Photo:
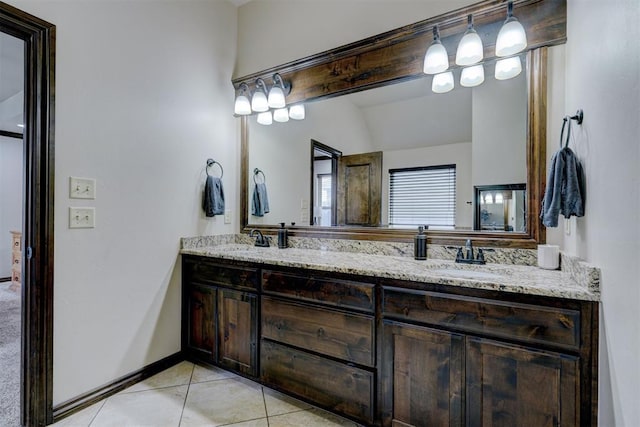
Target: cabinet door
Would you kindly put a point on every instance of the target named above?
(508, 385)
(201, 321)
(422, 376)
(237, 330)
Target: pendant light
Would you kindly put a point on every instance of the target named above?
(265, 118)
(472, 76)
(512, 37)
(281, 115)
(436, 59)
(470, 50)
(278, 92)
(259, 101)
(508, 68)
(296, 112)
(442, 82)
(242, 105)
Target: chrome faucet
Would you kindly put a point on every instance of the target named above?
(261, 240)
(469, 249)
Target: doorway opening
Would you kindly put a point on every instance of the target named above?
(36, 253)
(324, 173)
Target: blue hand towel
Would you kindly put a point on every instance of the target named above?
(259, 201)
(565, 192)
(213, 197)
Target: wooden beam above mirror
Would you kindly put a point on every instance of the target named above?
(397, 56)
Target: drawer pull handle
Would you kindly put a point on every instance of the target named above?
(405, 310)
(321, 332)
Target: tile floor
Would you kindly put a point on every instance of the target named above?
(192, 395)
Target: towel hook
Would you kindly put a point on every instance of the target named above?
(579, 116)
(256, 171)
(211, 162)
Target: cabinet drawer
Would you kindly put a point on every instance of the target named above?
(332, 385)
(343, 335)
(525, 322)
(202, 270)
(340, 293)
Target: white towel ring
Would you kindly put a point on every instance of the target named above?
(211, 162)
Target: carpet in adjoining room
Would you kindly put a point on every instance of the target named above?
(10, 308)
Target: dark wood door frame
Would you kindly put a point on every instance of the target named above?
(37, 274)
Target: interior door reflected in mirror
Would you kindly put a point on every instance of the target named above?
(324, 171)
(501, 207)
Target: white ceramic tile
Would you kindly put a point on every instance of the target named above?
(311, 417)
(153, 408)
(210, 373)
(179, 374)
(278, 403)
(260, 422)
(222, 402)
(82, 418)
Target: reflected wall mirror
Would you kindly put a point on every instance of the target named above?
(512, 141)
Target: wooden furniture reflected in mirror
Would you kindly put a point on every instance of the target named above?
(500, 207)
(397, 56)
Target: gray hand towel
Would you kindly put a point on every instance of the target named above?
(565, 192)
(259, 201)
(213, 197)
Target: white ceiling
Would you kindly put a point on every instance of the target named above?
(11, 82)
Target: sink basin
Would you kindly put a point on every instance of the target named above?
(467, 274)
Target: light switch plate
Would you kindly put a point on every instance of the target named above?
(227, 216)
(82, 188)
(82, 217)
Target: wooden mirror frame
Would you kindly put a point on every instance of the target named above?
(397, 56)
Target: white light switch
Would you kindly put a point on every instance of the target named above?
(82, 217)
(82, 188)
(227, 216)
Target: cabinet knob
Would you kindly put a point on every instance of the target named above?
(320, 332)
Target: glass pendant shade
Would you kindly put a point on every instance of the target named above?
(296, 112)
(242, 106)
(276, 98)
(512, 38)
(470, 50)
(265, 118)
(472, 76)
(281, 115)
(508, 68)
(259, 101)
(436, 59)
(442, 83)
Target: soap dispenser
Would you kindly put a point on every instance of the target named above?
(282, 237)
(420, 244)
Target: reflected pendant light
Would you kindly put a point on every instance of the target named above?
(265, 118)
(259, 100)
(281, 115)
(442, 82)
(508, 68)
(436, 59)
(470, 50)
(242, 105)
(472, 76)
(512, 38)
(296, 112)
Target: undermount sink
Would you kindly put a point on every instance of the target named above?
(467, 274)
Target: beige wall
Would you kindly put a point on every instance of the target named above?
(143, 98)
(603, 78)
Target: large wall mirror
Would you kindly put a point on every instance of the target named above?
(490, 135)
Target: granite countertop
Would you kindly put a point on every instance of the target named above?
(572, 284)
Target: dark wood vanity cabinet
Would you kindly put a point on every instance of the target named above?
(318, 341)
(220, 314)
(484, 359)
(396, 353)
